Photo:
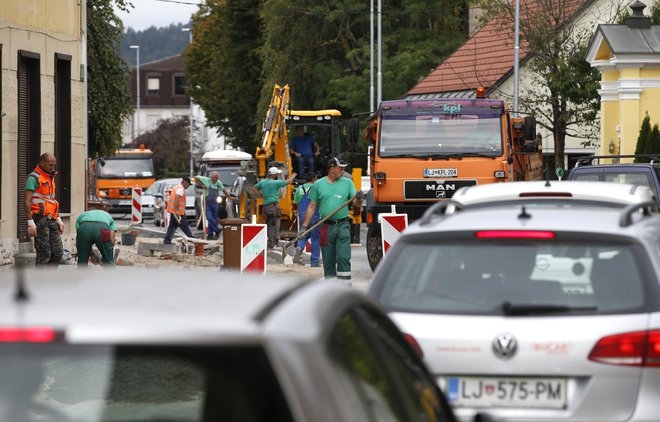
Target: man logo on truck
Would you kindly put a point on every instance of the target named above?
(441, 187)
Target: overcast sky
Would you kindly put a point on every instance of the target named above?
(146, 13)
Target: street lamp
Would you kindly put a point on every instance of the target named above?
(190, 135)
(137, 72)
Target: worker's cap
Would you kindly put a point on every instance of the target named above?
(274, 170)
(336, 162)
(185, 179)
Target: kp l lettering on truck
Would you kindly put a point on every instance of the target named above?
(423, 150)
(118, 174)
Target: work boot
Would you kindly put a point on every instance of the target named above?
(297, 256)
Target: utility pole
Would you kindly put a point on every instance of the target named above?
(191, 122)
(137, 90)
(516, 64)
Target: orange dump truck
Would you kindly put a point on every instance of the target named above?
(118, 174)
(422, 151)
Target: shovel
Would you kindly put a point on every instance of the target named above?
(309, 230)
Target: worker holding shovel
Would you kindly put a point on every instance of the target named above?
(332, 194)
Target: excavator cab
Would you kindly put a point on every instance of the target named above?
(324, 126)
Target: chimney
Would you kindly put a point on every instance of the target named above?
(638, 20)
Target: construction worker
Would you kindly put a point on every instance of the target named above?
(95, 227)
(42, 209)
(301, 198)
(330, 194)
(305, 150)
(270, 190)
(212, 187)
(176, 207)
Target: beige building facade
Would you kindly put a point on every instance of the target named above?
(43, 107)
(628, 57)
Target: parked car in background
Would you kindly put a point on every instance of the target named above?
(161, 195)
(148, 199)
(141, 345)
(534, 313)
(603, 169)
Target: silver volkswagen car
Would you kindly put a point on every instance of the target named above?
(534, 313)
(149, 345)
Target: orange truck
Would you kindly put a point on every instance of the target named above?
(422, 151)
(118, 174)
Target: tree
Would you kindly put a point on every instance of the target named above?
(653, 141)
(170, 144)
(108, 97)
(224, 69)
(643, 138)
(563, 91)
(241, 48)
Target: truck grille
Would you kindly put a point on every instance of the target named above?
(433, 189)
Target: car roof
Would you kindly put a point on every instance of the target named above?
(134, 303)
(586, 220)
(605, 192)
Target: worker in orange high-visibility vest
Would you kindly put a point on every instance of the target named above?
(176, 207)
(42, 209)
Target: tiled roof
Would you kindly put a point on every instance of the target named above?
(485, 58)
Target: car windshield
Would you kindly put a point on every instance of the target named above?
(125, 168)
(437, 134)
(153, 189)
(511, 278)
(227, 174)
(132, 383)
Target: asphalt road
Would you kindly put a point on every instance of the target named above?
(359, 264)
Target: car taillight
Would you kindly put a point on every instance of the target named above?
(413, 343)
(514, 234)
(639, 348)
(27, 335)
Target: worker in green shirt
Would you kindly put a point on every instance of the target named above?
(212, 187)
(95, 227)
(329, 193)
(270, 190)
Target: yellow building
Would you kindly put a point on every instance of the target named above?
(43, 109)
(628, 57)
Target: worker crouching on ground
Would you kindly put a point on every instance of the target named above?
(176, 207)
(332, 193)
(95, 227)
(270, 190)
(212, 187)
(302, 199)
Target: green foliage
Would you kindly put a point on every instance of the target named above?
(224, 68)
(643, 138)
(170, 144)
(653, 141)
(109, 100)
(155, 43)
(320, 49)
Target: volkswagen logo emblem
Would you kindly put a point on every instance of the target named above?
(505, 346)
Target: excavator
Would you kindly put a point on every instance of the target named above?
(325, 126)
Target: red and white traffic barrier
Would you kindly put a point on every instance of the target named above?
(391, 226)
(253, 248)
(136, 208)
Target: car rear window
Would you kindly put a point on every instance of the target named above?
(514, 278)
(128, 383)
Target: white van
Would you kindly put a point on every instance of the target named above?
(226, 163)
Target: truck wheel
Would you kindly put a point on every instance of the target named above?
(374, 245)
